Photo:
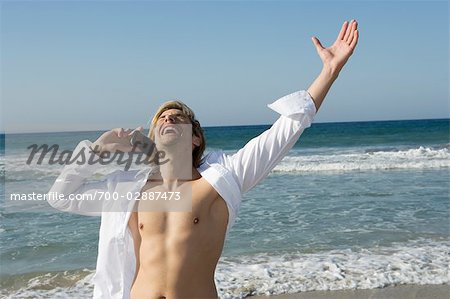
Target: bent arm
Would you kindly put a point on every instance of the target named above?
(72, 182)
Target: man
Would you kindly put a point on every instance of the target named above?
(148, 254)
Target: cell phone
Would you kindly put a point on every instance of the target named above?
(142, 142)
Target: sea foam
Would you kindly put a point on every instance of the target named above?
(416, 262)
(418, 158)
(413, 263)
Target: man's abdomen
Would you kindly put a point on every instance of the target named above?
(179, 252)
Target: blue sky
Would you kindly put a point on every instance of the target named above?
(82, 65)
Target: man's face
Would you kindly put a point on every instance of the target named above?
(173, 124)
(172, 127)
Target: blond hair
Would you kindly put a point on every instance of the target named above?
(197, 130)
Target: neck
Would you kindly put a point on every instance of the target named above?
(176, 165)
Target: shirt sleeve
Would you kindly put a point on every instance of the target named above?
(260, 155)
(72, 182)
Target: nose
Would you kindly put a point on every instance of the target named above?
(169, 118)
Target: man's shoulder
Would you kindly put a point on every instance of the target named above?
(214, 157)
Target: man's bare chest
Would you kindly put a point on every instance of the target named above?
(193, 207)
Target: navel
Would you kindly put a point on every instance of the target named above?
(141, 226)
(196, 220)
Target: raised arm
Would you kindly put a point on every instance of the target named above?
(260, 155)
(333, 59)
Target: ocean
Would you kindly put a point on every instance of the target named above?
(355, 205)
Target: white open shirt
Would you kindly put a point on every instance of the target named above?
(230, 175)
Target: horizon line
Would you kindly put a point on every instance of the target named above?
(222, 126)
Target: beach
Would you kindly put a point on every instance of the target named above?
(397, 292)
(352, 206)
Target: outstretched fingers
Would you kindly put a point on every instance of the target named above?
(354, 40)
(348, 32)
(342, 32)
(352, 32)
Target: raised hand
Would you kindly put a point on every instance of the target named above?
(115, 140)
(335, 57)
